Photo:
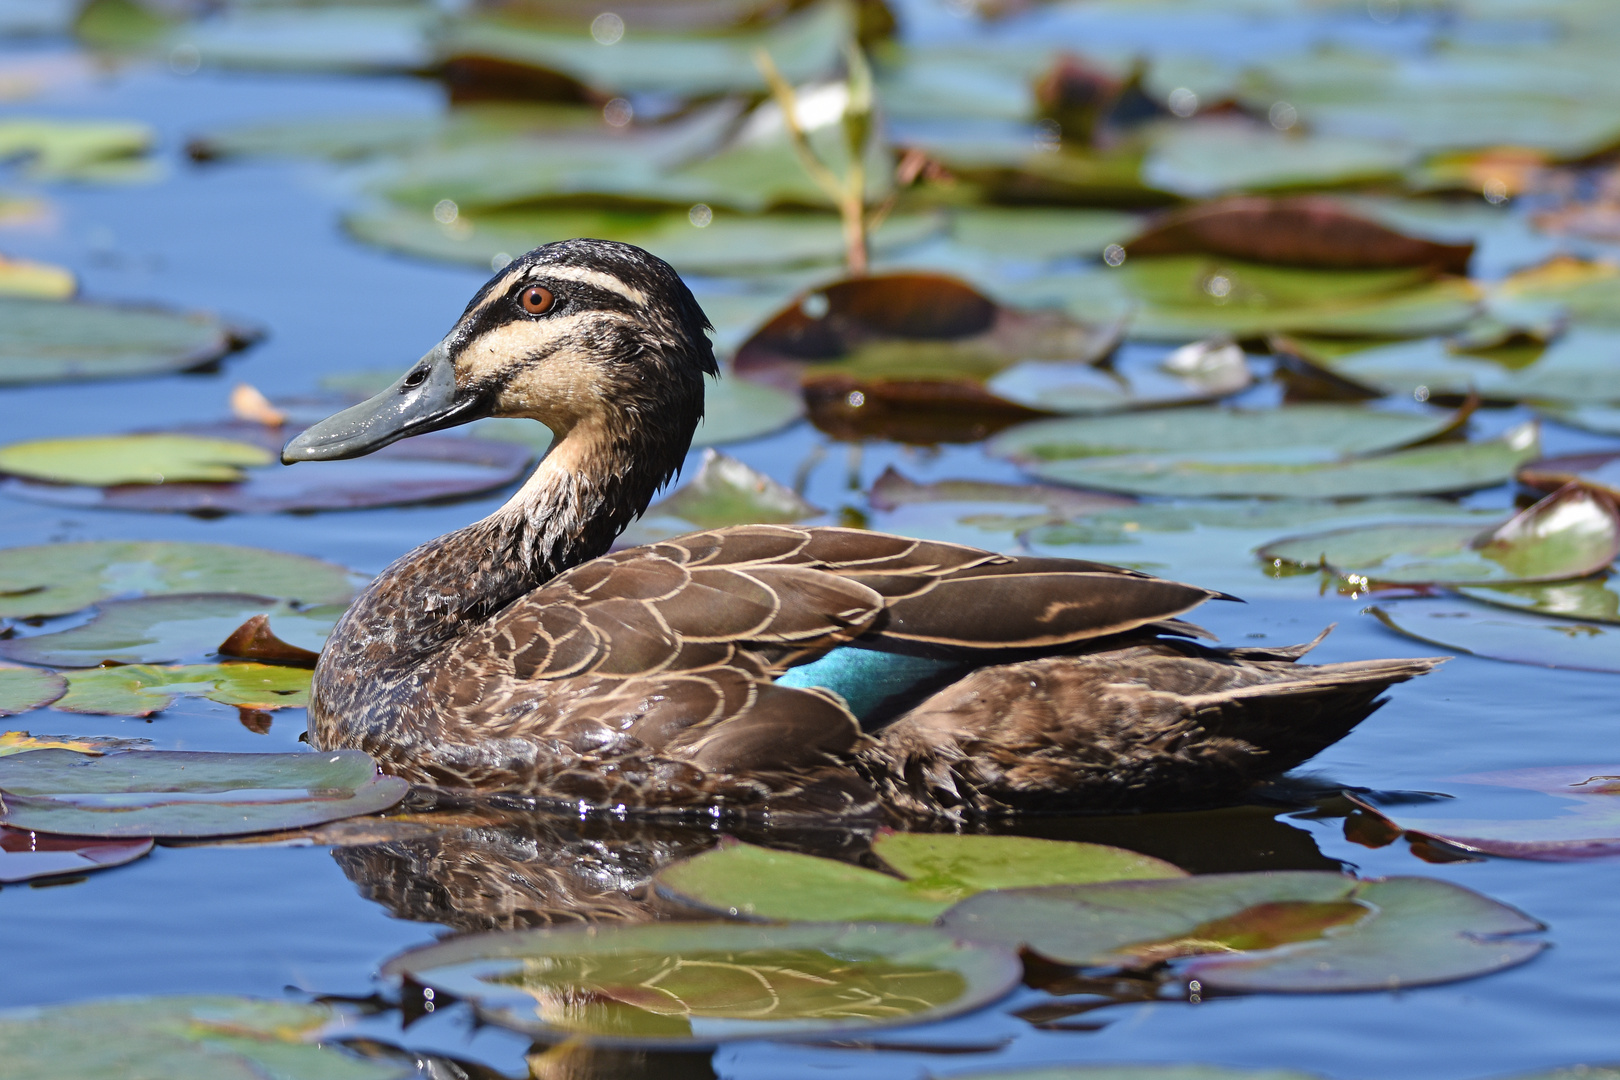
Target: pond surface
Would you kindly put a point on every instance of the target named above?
(259, 241)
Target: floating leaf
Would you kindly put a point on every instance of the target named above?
(17, 742)
(1500, 634)
(1201, 371)
(357, 38)
(1144, 1072)
(180, 1038)
(26, 855)
(1039, 232)
(42, 281)
(1571, 533)
(22, 689)
(54, 579)
(727, 492)
(1281, 931)
(698, 983)
(1306, 430)
(76, 149)
(893, 490)
(67, 341)
(180, 793)
(729, 244)
(425, 468)
(104, 460)
(143, 690)
(1438, 469)
(1587, 599)
(1209, 158)
(1553, 813)
(763, 883)
(1586, 291)
(1577, 368)
(164, 629)
(1306, 230)
(1600, 470)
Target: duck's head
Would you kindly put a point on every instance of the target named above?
(589, 337)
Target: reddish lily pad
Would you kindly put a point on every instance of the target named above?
(685, 984)
(178, 793)
(742, 880)
(1308, 230)
(1283, 931)
(1497, 633)
(1600, 470)
(426, 468)
(1571, 533)
(23, 689)
(166, 629)
(27, 855)
(1552, 813)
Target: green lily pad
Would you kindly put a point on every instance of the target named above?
(104, 460)
(681, 984)
(41, 281)
(1213, 157)
(20, 742)
(1551, 813)
(347, 38)
(1297, 931)
(1142, 1072)
(1589, 599)
(804, 46)
(1569, 534)
(1181, 297)
(1041, 233)
(25, 856)
(181, 793)
(23, 689)
(75, 149)
(71, 340)
(1602, 419)
(1576, 369)
(727, 492)
(1586, 291)
(1199, 372)
(165, 629)
(180, 1038)
(729, 244)
(1308, 430)
(1426, 470)
(1498, 633)
(762, 883)
(144, 689)
(54, 579)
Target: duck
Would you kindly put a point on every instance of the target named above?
(767, 672)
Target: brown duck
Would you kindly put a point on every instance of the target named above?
(759, 668)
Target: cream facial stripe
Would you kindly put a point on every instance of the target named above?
(493, 351)
(587, 276)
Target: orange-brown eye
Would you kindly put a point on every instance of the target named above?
(536, 299)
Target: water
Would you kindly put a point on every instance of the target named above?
(260, 241)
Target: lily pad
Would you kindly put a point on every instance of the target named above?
(1304, 429)
(1552, 813)
(1498, 633)
(727, 492)
(1599, 470)
(42, 281)
(1426, 470)
(104, 460)
(763, 883)
(181, 793)
(1213, 157)
(165, 629)
(75, 149)
(1569, 534)
(1588, 599)
(1309, 230)
(1576, 369)
(23, 689)
(145, 689)
(18, 742)
(347, 38)
(1586, 291)
(27, 855)
(181, 1038)
(425, 468)
(1283, 931)
(682, 984)
(1142, 1072)
(1199, 372)
(54, 579)
(71, 340)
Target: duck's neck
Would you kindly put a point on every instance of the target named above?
(585, 491)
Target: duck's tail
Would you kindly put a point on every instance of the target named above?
(1163, 725)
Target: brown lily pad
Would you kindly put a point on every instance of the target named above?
(27, 855)
(1600, 471)
(1306, 230)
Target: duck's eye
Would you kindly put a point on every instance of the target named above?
(536, 299)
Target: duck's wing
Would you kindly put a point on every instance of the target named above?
(1157, 726)
(662, 658)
